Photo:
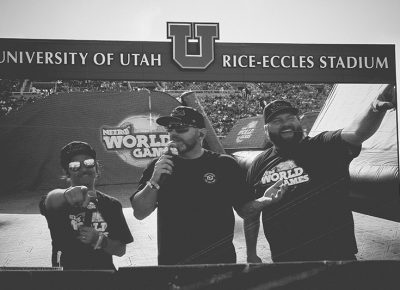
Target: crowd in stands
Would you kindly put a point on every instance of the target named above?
(223, 110)
(7, 102)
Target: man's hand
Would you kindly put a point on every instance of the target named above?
(386, 100)
(77, 196)
(276, 191)
(163, 165)
(88, 235)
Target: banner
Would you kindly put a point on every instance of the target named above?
(237, 62)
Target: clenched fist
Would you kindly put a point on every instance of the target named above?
(77, 196)
(386, 100)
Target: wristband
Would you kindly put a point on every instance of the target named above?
(153, 185)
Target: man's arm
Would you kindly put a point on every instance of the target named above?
(144, 201)
(251, 229)
(114, 247)
(251, 211)
(76, 195)
(368, 122)
(113, 243)
(273, 194)
(89, 235)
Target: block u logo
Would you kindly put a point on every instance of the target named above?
(180, 33)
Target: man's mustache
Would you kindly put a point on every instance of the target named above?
(176, 139)
(294, 129)
(86, 173)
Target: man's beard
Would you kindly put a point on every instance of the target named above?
(184, 147)
(286, 144)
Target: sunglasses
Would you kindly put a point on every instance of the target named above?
(76, 165)
(178, 128)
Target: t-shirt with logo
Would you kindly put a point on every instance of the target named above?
(104, 214)
(195, 216)
(313, 221)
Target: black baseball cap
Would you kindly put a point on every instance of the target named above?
(278, 106)
(183, 115)
(75, 148)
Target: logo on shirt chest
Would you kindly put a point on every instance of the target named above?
(97, 222)
(209, 178)
(288, 171)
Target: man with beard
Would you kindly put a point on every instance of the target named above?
(195, 216)
(312, 221)
(87, 226)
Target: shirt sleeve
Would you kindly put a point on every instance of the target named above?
(253, 180)
(337, 146)
(42, 206)
(120, 230)
(239, 191)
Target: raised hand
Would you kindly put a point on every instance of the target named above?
(77, 196)
(276, 191)
(164, 165)
(385, 100)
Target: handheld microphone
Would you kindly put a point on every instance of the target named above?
(90, 209)
(170, 150)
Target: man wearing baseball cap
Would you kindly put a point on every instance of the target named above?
(312, 221)
(195, 191)
(87, 227)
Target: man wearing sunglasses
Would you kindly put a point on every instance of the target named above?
(87, 226)
(195, 202)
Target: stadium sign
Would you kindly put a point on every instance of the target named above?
(206, 33)
(193, 54)
(136, 140)
(246, 132)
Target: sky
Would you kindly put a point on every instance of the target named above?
(251, 21)
(284, 21)
(243, 21)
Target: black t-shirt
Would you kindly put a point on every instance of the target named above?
(313, 221)
(107, 217)
(195, 215)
